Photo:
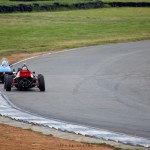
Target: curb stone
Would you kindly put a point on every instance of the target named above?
(64, 135)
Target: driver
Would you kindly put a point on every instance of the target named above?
(24, 67)
(4, 62)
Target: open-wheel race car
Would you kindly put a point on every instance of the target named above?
(4, 69)
(24, 79)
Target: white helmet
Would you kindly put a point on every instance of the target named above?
(24, 68)
(4, 62)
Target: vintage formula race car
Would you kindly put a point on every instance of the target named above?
(4, 69)
(24, 79)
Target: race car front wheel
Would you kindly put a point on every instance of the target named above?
(41, 82)
(8, 83)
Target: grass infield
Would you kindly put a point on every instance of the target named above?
(126, 0)
(45, 2)
(44, 31)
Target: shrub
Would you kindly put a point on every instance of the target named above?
(128, 4)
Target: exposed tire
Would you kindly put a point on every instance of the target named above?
(5, 78)
(8, 83)
(2, 80)
(41, 82)
(19, 69)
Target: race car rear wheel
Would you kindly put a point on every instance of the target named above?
(19, 69)
(5, 78)
(8, 83)
(41, 82)
(2, 80)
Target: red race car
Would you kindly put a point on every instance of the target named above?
(24, 79)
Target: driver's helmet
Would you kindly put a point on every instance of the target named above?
(24, 67)
(4, 62)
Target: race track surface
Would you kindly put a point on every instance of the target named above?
(107, 87)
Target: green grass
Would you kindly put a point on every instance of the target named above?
(41, 2)
(44, 31)
(8, 2)
(126, 0)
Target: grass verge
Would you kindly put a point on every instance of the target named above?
(43, 2)
(46, 2)
(45, 31)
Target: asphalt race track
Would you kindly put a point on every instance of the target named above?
(107, 87)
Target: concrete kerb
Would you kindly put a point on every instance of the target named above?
(64, 135)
